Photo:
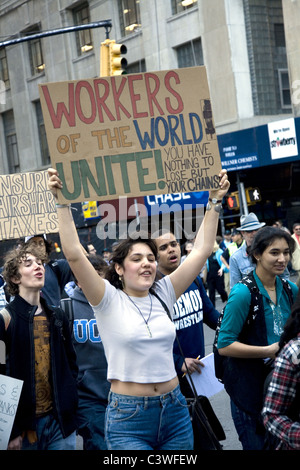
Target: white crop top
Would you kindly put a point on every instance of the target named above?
(132, 355)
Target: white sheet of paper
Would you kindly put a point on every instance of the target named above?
(206, 383)
(10, 391)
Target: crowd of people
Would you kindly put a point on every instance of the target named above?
(91, 338)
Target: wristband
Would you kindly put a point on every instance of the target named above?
(215, 200)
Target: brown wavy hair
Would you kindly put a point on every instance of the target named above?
(12, 262)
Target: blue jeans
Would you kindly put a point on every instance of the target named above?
(248, 429)
(90, 417)
(148, 423)
(49, 436)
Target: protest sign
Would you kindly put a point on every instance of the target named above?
(132, 135)
(10, 391)
(27, 207)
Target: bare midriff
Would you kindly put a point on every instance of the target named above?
(143, 390)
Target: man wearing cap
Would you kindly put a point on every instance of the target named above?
(226, 240)
(57, 272)
(106, 252)
(240, 264)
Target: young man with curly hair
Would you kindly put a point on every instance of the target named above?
(40, 353)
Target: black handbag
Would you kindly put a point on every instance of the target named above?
(208, 431)
(203, 427)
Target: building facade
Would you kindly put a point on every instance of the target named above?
(250, 49)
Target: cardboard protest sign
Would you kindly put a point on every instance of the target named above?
(132, 135)
(27, 207)
(10, 391)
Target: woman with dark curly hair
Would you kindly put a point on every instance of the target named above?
(281, 412)
(146, 407)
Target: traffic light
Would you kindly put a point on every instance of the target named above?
(117, 62)
(253, 195)
(111, 61)
(233, 201)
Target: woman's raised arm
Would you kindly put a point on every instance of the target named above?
(91, 283)
(186, 272)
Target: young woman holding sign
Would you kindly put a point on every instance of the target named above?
(146, 408)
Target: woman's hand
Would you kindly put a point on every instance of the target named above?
(54, 183)
(223, 186)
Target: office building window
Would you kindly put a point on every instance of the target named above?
(181, 5)
(84, 38)
(190, 54)
(279, 35)
(137, 67)
(4, 76)
(11, 142)
(130, 18)
(284, 88)
(35, 51)
(42, 134)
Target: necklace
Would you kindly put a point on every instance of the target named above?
(139, 310)
(269, 288)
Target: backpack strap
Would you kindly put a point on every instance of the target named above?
(255, 304)
(163, 304)
(67, 306)
(287, 287)
(256, 297)
(6, 317)
(178, 342)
